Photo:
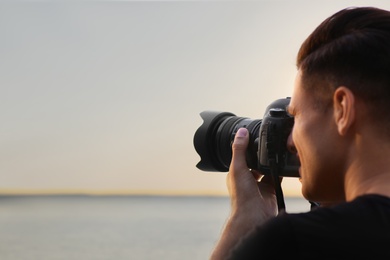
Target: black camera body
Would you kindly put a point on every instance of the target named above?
(267, 149)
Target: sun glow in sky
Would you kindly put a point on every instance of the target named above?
(105, 96)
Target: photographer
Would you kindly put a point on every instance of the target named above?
(341, 136)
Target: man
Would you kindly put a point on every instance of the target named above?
(341, 135)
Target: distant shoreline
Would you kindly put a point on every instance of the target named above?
(8, 195)
(108, 193)
(81, 192)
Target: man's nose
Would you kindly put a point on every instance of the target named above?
(290, 144)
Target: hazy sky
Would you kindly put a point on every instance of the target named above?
(105, 96)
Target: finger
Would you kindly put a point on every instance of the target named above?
(267, 185)
(239, 146)
(269, 180)
(257, 175)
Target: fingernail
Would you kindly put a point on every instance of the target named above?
(242, 132)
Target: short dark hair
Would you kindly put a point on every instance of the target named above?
(350, 48)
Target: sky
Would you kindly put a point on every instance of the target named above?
(105, 96)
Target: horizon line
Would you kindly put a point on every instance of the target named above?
(87, 192)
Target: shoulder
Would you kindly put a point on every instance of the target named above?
(302, 235)
(364, 208)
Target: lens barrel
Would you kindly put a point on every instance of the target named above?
(214, 138)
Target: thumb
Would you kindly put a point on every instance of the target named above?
(239, 146)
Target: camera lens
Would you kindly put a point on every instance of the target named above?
(214, 138)
(267, 148)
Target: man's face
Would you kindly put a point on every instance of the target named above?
(314, 138)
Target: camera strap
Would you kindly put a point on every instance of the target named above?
(278, 186)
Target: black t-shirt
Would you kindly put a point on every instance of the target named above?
(359, 229)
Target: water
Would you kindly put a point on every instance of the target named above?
(113, 227)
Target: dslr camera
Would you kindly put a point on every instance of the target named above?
(267, 149)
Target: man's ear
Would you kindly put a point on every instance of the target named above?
(344, 109)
